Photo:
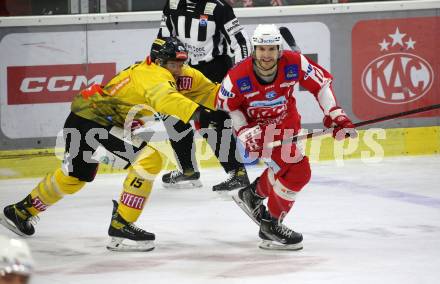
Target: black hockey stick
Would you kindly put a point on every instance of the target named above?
(296, 138)
(290, 40)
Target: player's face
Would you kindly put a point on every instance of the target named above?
(266, 55)
(175, 67)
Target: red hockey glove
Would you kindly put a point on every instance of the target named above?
(251, 137)
(343, 127)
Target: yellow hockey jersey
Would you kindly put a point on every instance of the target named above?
(151, 88)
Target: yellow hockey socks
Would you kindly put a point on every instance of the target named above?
(51, 189)
(138, 184)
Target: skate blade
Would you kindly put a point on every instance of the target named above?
(226, 195)
(183, 185)
(121, 244)
(271, 245)
(246, 210)
(10, 225)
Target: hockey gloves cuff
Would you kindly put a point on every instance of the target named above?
(341, 124)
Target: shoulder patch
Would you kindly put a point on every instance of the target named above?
(244, 85)
(291, 72)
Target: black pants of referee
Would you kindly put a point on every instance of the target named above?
(184, 147)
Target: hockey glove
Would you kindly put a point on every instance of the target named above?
(341, 124)
(199, 114)
(251, 137)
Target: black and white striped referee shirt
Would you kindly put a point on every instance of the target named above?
(208, 28)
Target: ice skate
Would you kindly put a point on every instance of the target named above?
(250, 202)
(179, 180)
(125, 236)
(237, 179)
(16, 218)
(276, 236)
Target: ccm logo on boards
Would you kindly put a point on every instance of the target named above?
(54, 83)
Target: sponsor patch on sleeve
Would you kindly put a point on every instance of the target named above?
(233, 26)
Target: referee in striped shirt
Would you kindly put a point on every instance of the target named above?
(212, 34)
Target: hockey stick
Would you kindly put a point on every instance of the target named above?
(290, 40)
(296, 138)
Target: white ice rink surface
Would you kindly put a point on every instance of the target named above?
(362, 223)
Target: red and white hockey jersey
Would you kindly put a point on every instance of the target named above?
(250, 101)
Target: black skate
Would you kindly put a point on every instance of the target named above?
(276, 236)
(126, 236)
(16, 218)
(238, 178)
(250, 202)
(180, 180)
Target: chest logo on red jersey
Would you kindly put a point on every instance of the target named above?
(291, 72)
(184, 83)
(267, 109)
(244, 85)
(270, 95)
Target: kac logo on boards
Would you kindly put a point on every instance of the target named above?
(394, 66)
(397, 77)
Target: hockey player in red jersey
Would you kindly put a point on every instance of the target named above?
(258, 94)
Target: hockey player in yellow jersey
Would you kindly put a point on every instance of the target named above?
(98, 129)
(165, 90)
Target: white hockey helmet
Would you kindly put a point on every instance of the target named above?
(267, 34)
(15, 257)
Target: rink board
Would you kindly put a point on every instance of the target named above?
(350, 40)
(371, 144)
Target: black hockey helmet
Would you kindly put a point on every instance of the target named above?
(168, 48)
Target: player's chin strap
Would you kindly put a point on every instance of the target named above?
(296, 138)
